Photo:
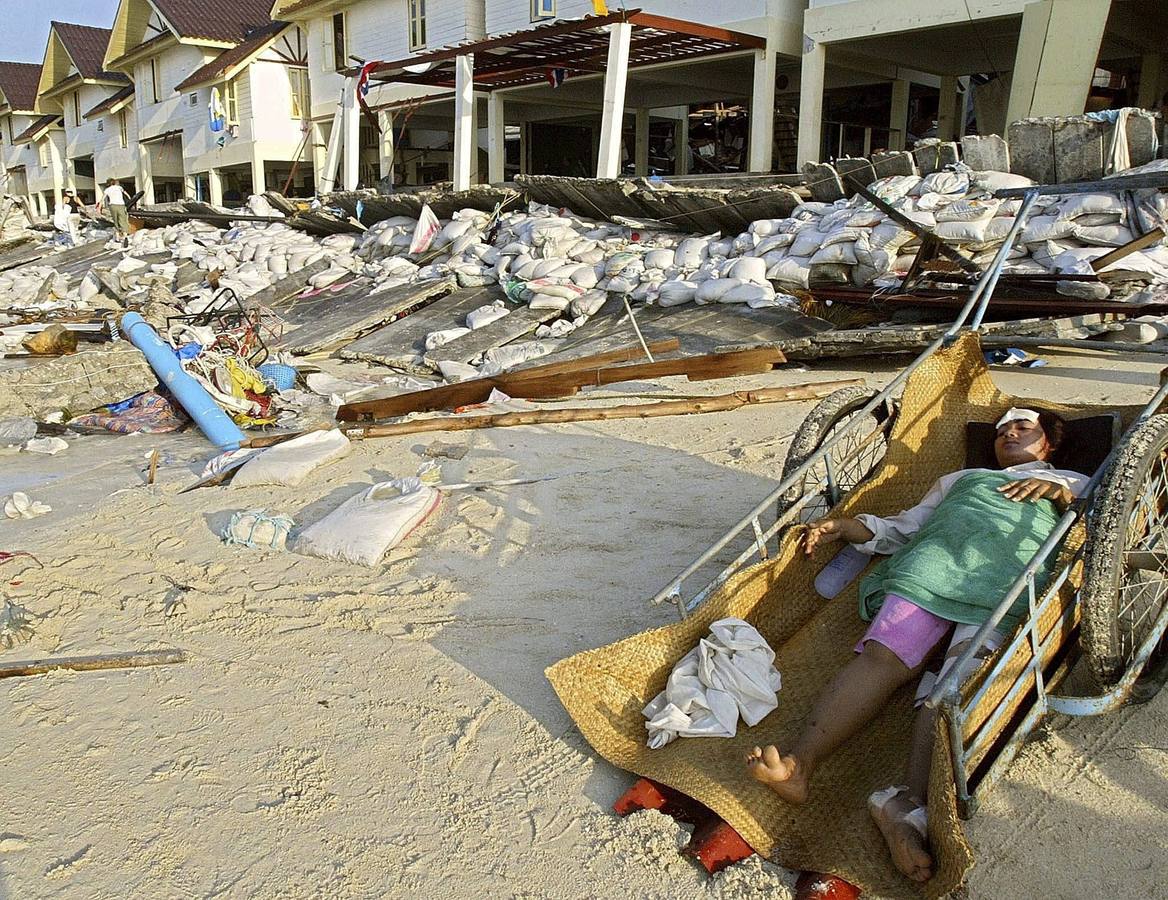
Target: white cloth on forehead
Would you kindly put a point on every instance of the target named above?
(1013, 415)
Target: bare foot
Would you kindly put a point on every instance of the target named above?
(907, 846)
(782, 774)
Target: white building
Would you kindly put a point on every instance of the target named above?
(115, 147)
(18, 160)
(224, 46)
(72, 82)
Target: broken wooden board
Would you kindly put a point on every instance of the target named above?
(532, 384)
(401, 345)
(326, 320)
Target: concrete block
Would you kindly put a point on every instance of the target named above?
(1078, 149)
(76, 383)
(1032, 149)
(1141, 138)
(934, 156)
(893, 162)
(986, 152)
(857, 167)
(823, 181)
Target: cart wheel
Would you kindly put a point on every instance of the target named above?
(1125, 575)
(853, 459)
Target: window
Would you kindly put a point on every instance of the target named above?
(77, 108)
(193, 99)
(123, 130)
(301, 102)
(340, 45)
(155, 80)
(543, 9)
(43, 152)
(101, 125)
(417, 24)
(231, 101)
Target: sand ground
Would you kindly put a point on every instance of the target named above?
(349, 732)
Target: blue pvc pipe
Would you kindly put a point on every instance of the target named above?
(216, 425)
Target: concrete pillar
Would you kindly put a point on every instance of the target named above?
(215, 187)
(616, 76)
(762, 111)
(898, 117)
(190, 189)
(350, 137)
(57, 167)
(641, 150)
(1151, 77)
(947, 109)
(524, 166)
(496, 139)
(385, 148)
(811, 101)
(1058, 46)
(258, 177)
(464, 131)
(962, 109)
(681, 145)
(145, 174)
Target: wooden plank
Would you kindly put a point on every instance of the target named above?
(1114, 185)
(719, 403)
(696, 368)
(91, 663)
(520, 322)
(1145, 240)
(327, 321)
(402, 344)
(465, 393)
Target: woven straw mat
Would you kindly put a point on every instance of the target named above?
(605, 689)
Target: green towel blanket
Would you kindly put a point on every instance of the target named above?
(963, 560)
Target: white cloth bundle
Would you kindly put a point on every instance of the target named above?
(729, 673)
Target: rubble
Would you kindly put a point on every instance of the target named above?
(77, 383)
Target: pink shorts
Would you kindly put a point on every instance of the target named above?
(907, 630)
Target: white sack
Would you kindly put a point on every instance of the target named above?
(291, 462)
(364, 528)
(436, 339)
(485, 315)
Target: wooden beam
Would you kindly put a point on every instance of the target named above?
(1144, 240)
(1107, 186)
(680, 26)
(131, 660)
(720, 403)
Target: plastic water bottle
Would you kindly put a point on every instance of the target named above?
(840, 572)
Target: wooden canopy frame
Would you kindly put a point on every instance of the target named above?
(579, 46)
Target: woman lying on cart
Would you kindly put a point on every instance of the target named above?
(954, 556)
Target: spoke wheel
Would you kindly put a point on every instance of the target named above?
(1125, 577)
(852, 460)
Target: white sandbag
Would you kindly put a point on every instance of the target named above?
(659, 259)
(424, 232)
(894, 187)
(364, 528)
(618, 262)
(943, 183)
(1046, 228)
(844, 254)
(690, 253)
(291, 462)
(865, 217)
(436, 339)
(792, 270)
(829, 273)
(453, 371)
(585, 276)
(485, 315)
(889, 236)
(990, 181)
(589, 303)
(755, 295)
(500, 359)
(552, 288)
(766, 227)
(806, 242)
(997, 228)
(967, 211)
(774, 242)
(1087, 204)
(548, 302)
(711, 290)
(721, 248)
(620, 284)
(1104, 235)
(675, 293)
(747, 268)
(959, 232)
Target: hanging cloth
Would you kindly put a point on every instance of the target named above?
(216, 112)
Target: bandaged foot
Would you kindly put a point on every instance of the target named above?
(902, 822)
(782, 774)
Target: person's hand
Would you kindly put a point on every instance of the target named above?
(823, 531)
(1037, 489)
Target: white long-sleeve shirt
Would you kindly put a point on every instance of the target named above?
(890, 533)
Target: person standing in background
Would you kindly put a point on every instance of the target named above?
(114, 203)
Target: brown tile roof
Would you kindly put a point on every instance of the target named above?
(87, 46)
(36, 128)
(217, 67)
(110, 101)
(19, 82)
(215, 20)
